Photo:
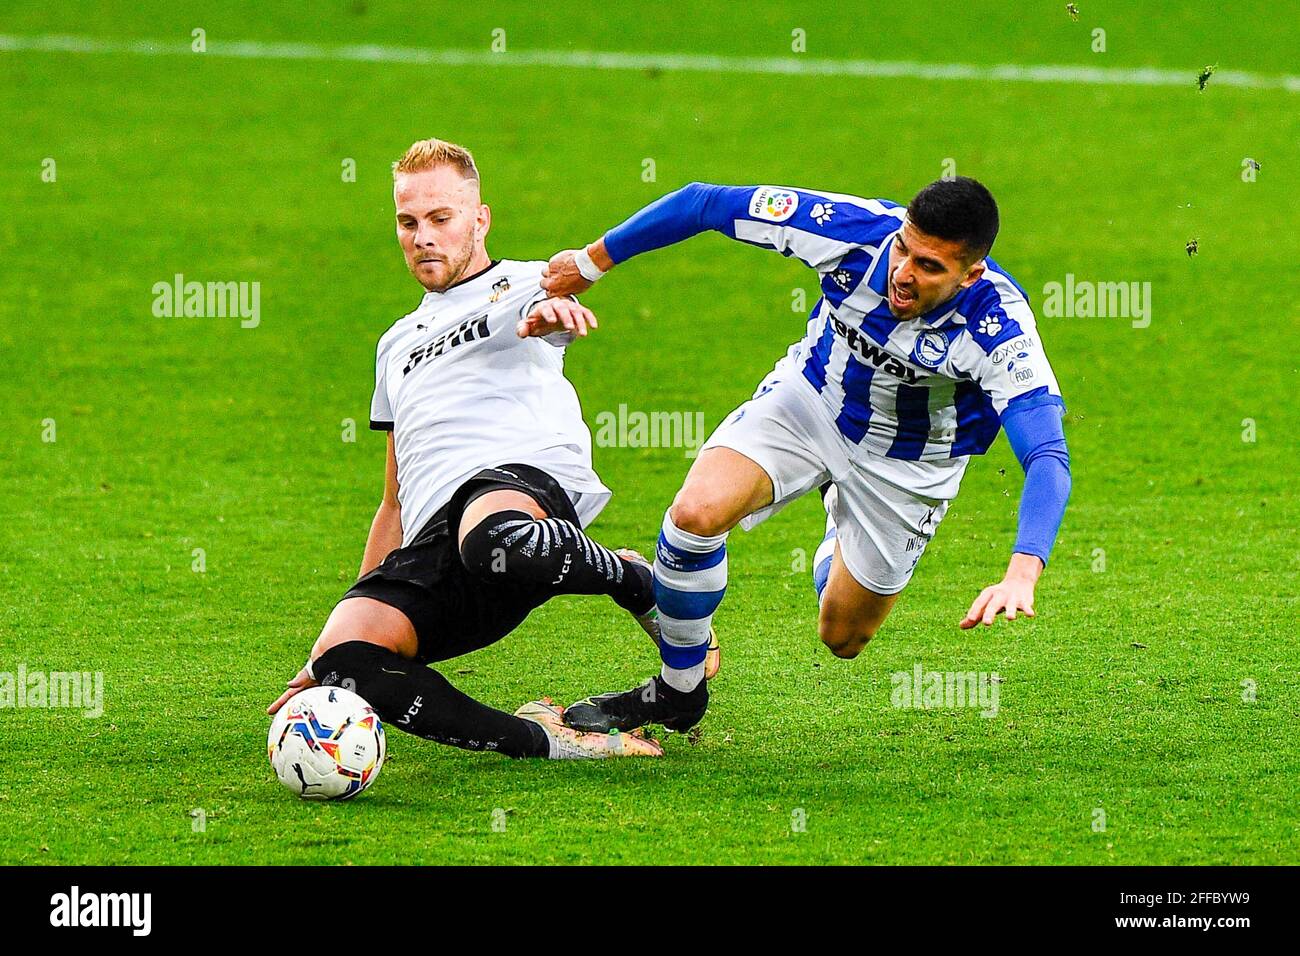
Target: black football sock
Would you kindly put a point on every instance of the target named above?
(414, 698)
(555, 554)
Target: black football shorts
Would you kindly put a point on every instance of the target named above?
(453, 611)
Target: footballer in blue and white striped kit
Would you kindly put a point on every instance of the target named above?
(919, 350)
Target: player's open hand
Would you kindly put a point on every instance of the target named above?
(561, 275)
(1014, 594)
(557, 315)
(301, 682)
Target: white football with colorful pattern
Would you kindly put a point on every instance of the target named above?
(326, 743)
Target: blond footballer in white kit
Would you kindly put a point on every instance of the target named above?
(488, 483)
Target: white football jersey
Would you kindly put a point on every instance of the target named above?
(462, 392)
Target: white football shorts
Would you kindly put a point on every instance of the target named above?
(882, 526)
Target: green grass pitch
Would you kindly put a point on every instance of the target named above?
(1172, 591)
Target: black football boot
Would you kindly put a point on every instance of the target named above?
(654, 702)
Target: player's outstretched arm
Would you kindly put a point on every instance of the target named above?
(386, 529)
(686, 212)
(1038, 440)
(815, 228)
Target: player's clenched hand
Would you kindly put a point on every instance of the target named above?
(557, 315)
(561, 275)
(303, 680)
(1013, 594)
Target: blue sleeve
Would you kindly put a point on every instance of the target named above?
(818, 229)
(693, 209)
(1038, 440)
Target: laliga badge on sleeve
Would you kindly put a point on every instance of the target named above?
(773, 204)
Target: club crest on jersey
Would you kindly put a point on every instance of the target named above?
(930, 349)
(499, 288)
(470, 330)
(772, 204)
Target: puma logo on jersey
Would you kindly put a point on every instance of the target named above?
(468, 331)
(873, 353)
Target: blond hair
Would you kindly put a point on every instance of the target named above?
(429, 154)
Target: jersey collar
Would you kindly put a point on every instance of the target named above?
(432, 296)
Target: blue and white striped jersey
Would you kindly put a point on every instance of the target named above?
(929, 389)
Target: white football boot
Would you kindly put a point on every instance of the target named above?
(570, 744)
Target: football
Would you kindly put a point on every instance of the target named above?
(326, 743)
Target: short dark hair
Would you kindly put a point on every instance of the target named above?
(959, 210)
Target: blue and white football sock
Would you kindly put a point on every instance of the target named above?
(690, 578)
(822, 563)
(821, 568)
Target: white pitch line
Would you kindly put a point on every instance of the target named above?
(668, 62)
